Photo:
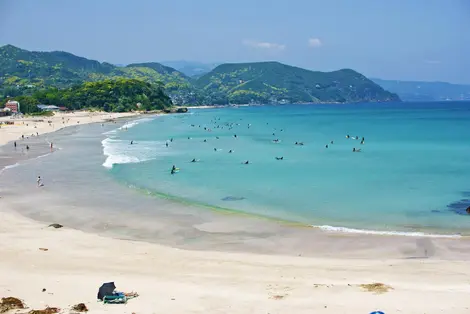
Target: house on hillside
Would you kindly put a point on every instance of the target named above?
(13, 105)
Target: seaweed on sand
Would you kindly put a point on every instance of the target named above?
(47, 310)
(10, 303)
(377, 287)
(80, 307)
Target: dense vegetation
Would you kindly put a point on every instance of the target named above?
(274, 82)
(25, 73)
(109, 95)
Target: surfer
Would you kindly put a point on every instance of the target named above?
(356, 150)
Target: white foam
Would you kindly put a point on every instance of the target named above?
(9, 167)
(392, 233)
(121, 152)
(130, 124)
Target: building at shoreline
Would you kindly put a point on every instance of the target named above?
(13, 105)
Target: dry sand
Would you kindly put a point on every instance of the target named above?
(176, 281)
(28, 126)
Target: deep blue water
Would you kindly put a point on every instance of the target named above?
(412, 174)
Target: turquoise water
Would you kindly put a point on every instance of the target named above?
(412, 174)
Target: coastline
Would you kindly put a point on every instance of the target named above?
(216, 281)
(30, 125)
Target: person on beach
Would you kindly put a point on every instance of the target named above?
(14, 144)
(39, 181)
(27, 147)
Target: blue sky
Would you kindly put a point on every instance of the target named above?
(391, 39)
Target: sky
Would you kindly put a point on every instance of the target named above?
(427, 40)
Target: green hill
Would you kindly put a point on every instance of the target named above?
(22, 72)
(275, 82)
(62, 69)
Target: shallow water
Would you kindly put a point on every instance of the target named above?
(412, 174)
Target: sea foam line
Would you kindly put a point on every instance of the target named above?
(121, 152)
(130, 124)
(9, 167)
(391, 233)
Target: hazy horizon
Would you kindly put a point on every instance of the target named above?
(400, 40)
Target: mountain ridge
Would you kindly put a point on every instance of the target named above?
(259, 82)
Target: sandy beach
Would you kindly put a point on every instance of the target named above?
(61, 267)
(31, 126)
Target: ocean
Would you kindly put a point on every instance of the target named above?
(411, 175)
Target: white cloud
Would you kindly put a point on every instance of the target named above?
(432, 61)
(264, 45)
(314, 42)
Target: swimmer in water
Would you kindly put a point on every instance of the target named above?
(230, 151)
(347, 136)
(132, 142)
(280, 158)
(166, 144)
(215, 149)
(194, 160)
(235, 135)
(205, 141)
(171, 139)
(326, 146)
(356, 150)
(331, 142)
(246, 162)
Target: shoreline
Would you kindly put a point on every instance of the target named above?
(71, 264)
(327, 229)
(41, 125)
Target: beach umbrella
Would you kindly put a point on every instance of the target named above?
(377, 312)
(106, 289)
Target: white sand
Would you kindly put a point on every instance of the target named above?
(29, 125)
(180, 281)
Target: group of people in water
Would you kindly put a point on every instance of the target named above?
(230, 126)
